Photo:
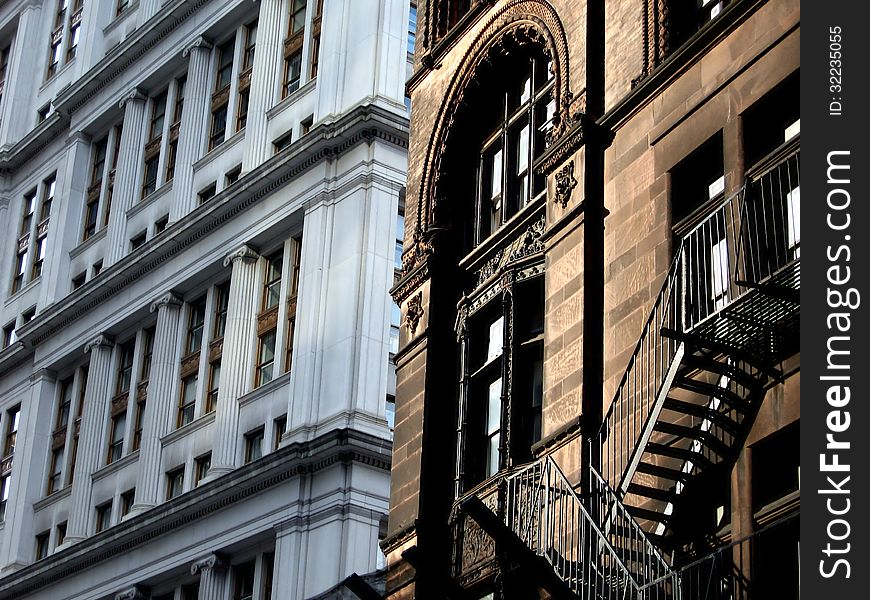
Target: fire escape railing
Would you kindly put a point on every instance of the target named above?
(548, 516)
(739, 246)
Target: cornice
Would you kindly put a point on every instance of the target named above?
(335, 447)
(329, 140)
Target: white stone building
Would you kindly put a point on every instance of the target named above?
(196, 196)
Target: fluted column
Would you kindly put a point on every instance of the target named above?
(212, 571)
(238, 343)
(128, 173)
(290, 540)
(23, 74)
(161, 399)
(90, 449)
(194, 125)
(264, 83)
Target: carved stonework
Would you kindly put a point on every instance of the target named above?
(524, 22)
(199, 43)
(134, 94)
(167, 299)
(418, 252)
(190, 364)
(415, 312)
(565, 184)
(101, 341)
(244, 253)
(212, 561)
(408, 285)
(133, 593)
(526, 244)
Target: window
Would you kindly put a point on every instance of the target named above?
(306, 124)
(187, 403)
(267, 320)
(243, 581)
(250, 37)
(79, 280)
(82, 375)
(8, 334)
(59, 437)
(174, 482)
(104, 516)
(222, 300)
(172, 146)
(121, 5)
(95, 189)
(196, 320)
(207, 193)
(116, 437)
(138, 241)
(292, 73)
(283, 142)
(250, 46)
(128, 498)
(268, 574)
(254, 445)
(233, 175)
(279, 427)
(48, 187)
(391, 411)
(412, 28)
(4, 64)
(60, 536)
(272, 285)
(513, 138)
(63, 43)
(315, 39)
(292, 301)
(221, 95)
(12, 416)
(161, 224)
(203, 464)
(97, 268)
(5, 480)
(214, 382)
(34, 226)
(297, 16)
(265, 358)
(42, 545)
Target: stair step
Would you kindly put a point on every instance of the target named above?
(649, 515)
(701, 342)
(663, 472)
(694, 433)
(703, 412)
(681, 453)
(652, 492)
(732, 399)
(694, 361)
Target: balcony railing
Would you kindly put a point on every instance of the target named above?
(750, 241)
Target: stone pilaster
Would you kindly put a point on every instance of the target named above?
(161, 399)
(128, 174)
(212, 571)
(91, 438)
(194, 125)
(24, 71)
(289, 559)
(266, 75)
(238, 343)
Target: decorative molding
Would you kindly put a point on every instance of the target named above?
(215, 560)
(410, 283)
(244, 253)
(524, 22)
(583, 130)
(134, 94)
(420, 249)
(167, 299)
(565, 184)
(101, 341)
(200, 43)
(136, 592)
(415, 312)
(526, 244)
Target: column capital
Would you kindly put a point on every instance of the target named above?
(214, 560)
(244, 253)
(101, 341)
(200, 43)
(167, 299)
(135, 592)
(135, 94)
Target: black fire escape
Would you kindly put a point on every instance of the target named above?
(722, 331)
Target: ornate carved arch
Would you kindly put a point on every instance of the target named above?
(518, 22)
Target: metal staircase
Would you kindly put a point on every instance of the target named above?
(719, 333)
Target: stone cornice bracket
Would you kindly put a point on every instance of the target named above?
(134, 94)
(244, 253)
(167, 299)
(200, 42)
(136, 592)
(214, 560)
(101, 341)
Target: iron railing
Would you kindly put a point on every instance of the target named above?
(743, 241)
(544, 511)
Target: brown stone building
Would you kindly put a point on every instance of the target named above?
(598, 374)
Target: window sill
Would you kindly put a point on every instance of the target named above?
(115, 466)
(213, 154)
(53, 498)
(291, 98)
(185, 430)
(149, 200)
(23, 291)
(121, 17)
(264, 390)
(91, 241)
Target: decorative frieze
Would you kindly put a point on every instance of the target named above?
(414, 312)
(565, 184)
